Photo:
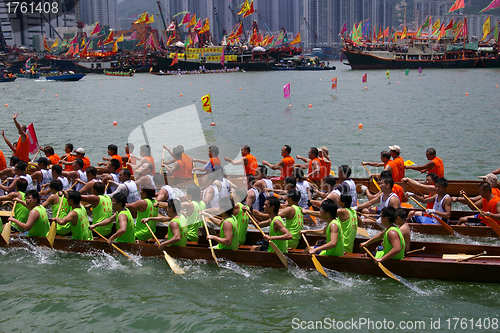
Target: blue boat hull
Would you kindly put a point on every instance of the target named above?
(66, 77)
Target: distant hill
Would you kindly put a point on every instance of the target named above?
(129, 8)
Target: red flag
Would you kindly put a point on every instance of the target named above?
(449, 26)
(109, 39)
(45, 44)
(32, 139)
(334, 83)
(365, 77)
(176, 59)
(457, 5)
(252, 10)
(386, 32)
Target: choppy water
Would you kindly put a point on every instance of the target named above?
(44, 290)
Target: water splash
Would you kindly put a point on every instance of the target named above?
(234, 267)
(105, 261)
(412, 286)
(338, 277)
(296, 271)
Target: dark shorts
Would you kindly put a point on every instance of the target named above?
(264, 245)
(475, 221)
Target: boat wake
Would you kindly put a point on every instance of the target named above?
(338, 277)
(412, 286)
(234, 267)
(296, 271)
(105, 261)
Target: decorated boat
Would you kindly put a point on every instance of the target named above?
(130, 72)
(435, 261)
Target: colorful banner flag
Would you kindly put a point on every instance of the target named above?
(494, 4)
(296, 40)
(109, 39)
(56, 43)
(486, 28)
(45, 44)
(457, 5)
(133, 36)
(442, 31)
(185, 20)
(365, 78)
(407, 71)
(74, 40)
(427, 22)
(32, 139)
(244, 8)
(286, 90)
(334, 83)
(143, 18)
(222, 58)
(206, 27)
(250, 11)
(96, 30)
(403, 34)
(450, 25)
(388, 74)
(207, 104)
(175, 60)
(192, 23)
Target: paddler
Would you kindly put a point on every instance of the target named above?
(112, 174)
(489, 204)
(211, 163)
(240, 212)
(20, 212)
(278, 233)
(20, 172)
(387, 197)
(334, 245)
(182, 164)
(324, 161)
(144, 208)
(126, 186)
(294, 218)
(77, 218)
(398, 160)
(143, 162)
(79, 153)
(228, 239)
(113, 154)
(177, 228)
(91, 173)
(55, 201)
(489, 178)
(193, 206)
(51, 155)
(387, 163)
(21, 149)
(313, 165)
(435, 164)
(403, 227)
(393, 241)
(124, 221)
(102, 208)
(248, 161)
(76, 173)
(43, 175)
(286, 163)
(441, 204)
(37, 224)
(68, 158)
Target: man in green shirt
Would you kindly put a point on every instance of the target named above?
(102, 207)
(37, 224)
(144, 208)
(277, 231)
(77, 217)
(294, 218)
(124, 221)
(21, 213)
(177, 228)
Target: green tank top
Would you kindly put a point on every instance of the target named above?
(349, 229)
(128, 236)
(234, 241)
(243, 220)
(281, 244)
(338, 250)
(41, 227)
(388, 247)
(81, 230)
(21, 213)
(62, 229)
(194, 222)
(141, 230)
(101, 212)
(296, 224)
(181, 221)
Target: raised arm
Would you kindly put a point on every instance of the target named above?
(8, 142)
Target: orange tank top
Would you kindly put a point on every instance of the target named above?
(152, 162)
(490, 206)
(22, 150)
(185, 167)
(3, 163)
(399, 191)
(495, 191)
(70, 158)
(119, 158)
(86, 163)
(215, 161)
(400, 165)
(54, 159)
(287, 169)
(318, 175)
(394, 170)
(438, 167)
(252, 165)
(324, 168)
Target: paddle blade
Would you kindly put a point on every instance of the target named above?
(5, 213)
(387, 272)
(318, 266)
(279, 254)
(173, 265)
(408, 163)
(376, 184)
(363, 232)
(313, 218)
(6, 232)
(52, 234)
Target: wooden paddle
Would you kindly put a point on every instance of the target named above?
(171, 262)
(33, 160)
(414, 188)
(373, 179)
(417, 250)
(276, 250)
(363, 231)
(494, 225)
(444, 224)
(116, 247)
(382, 267)
(471, 257)
(53, 227)
(315, 260)
(7, 227)
(162, 160)
(209, 241)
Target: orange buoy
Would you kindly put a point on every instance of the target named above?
(420, 78)
(43, 89)
(115, 123)
(100, 85)
(240, 88)
(190, 84)
(497, 85)
(149, 104)
(212, 124)
(290, 105)
(6, 105)
(360, 126)
(141, 81)
(310, 105)
(141, 88)
(56, 95)
(181, 95)
(398, 81)
(466, 94)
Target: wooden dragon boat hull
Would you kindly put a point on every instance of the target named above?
(425, 267)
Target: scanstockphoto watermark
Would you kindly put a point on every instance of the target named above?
(450, 323)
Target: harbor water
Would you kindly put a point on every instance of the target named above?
(454, 111)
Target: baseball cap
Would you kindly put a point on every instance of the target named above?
(396, 148)
(80, 151)
(489, 177)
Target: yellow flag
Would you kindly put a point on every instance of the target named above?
(486, 28)
(120, 39)
(142, 18)
(83, 42)
(207, 104)
(403, 35)
(436, 25)
(115, 46)
(244, 8)
(56, 43)
(296, 39)
(150, 20)
(192, 23)
(205, 27)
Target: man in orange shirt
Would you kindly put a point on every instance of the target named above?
(68, 158)
(3, 163)
(21, 149)
(313, 165)
(489, 204)
(286, 163)
(51, 155)
(248, 161)
(183, 164)
(113, 153)
(435, 164)
(398, 161)
(211, 163)
(387, 163)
